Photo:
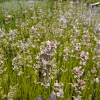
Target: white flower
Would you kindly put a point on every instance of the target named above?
(77, 97)
(62, 19)
(33, 29)
(77, 46)
(84, 55)
(98, 64)
(58, 89)
(94, 71)
(56, 84)
(2, 34)
(97, 80)
(20, 73)
(59, 94)
(78, 72)
(83, 63)
(97, 30)
(12, 34)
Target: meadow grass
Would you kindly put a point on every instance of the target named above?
(49, 47)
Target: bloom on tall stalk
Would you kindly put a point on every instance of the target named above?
(78, 72)
(83, 57)
(44, 58)
(79, 84)
(97, 30)
(58, 89)
(97, 61)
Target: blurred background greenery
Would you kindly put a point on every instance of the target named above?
(88, 1)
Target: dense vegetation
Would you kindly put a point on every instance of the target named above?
(49, 51)
(89, 1)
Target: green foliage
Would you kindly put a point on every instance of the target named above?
(29, 31)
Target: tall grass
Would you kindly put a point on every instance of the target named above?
(49, 48)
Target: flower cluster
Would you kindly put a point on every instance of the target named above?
(97, 30)
(44, 58)
(96, 68)
(79, 84)
(58, 89)
(11, 93)
(41, 47)
(78, 72)
(83, 57)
